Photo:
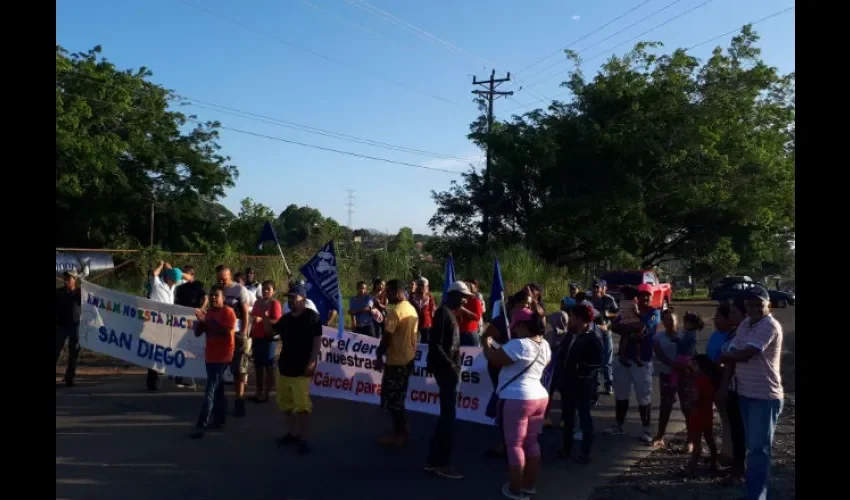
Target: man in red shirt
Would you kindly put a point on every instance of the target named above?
(469, 321)
(219, 324)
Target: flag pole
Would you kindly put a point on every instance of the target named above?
(505, 314)
(285, 265)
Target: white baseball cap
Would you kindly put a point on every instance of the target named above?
(459, 286)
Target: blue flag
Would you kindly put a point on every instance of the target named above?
(497, 289)
(449, 277)
(322, 280)
(267, 234)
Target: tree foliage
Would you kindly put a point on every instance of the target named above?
(654, 156)
(120, 148)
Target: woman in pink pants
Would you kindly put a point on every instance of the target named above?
(522, 400)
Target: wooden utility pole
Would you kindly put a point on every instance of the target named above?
(153, 213)
(490, 93)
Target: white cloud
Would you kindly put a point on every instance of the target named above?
(576, 17)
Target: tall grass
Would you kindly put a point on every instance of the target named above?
(519, 267)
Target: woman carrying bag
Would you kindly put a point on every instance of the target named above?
(520, 400)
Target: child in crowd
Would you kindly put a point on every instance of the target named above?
(707, 379)
(219, 325)
(687, 345)
(266, 311)
(629, 316)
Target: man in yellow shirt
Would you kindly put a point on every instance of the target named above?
(399, 342)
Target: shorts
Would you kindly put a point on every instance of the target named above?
(293, 393)
(634, 377)
(394, 384)
(264, 352)
(241, 356)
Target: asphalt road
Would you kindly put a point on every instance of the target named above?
(115, 440)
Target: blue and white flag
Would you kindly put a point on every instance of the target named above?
(449, 277)
(322, 281)
(497, 291)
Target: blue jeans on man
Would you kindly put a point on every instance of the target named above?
(606, 372)
(760, 416)
(214, 409)
(470, 339)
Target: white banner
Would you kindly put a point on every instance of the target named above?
(345, 371)
(161, 337)
(141, 331)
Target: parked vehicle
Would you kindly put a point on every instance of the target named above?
(726, 291)
(662, 293)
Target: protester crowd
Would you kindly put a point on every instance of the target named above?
(530, 355)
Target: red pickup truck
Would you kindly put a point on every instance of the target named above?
(662, 293)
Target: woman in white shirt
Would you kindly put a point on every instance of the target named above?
(522, 399)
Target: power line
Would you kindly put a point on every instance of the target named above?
(191, 101)
(363, 4)
(353, 23)
(653, 14)
(771, 16)
(668, 21)
(316, 54)
(287, 141)
(753, 23)
(561, 50)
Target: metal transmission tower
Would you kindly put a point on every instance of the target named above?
(350, 204)
(490, 94)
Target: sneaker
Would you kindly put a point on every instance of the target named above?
(578, 436)
(647, 437)
(69, 383)
(429, 468)
(303, 448)
(614, 430)
(529, 491)
(239, 408)
(506, 492)
(197, 434)
(608, 392)
(447, 472)
(286, 440)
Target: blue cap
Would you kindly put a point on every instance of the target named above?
(574, 286)
(756, 292)
(297, 290)
(600, 283)
(174, 274)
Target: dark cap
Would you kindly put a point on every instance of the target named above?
(756, 292)
(600, 283)
(297, 290)
(574, 286)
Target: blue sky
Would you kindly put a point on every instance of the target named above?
(238, 57)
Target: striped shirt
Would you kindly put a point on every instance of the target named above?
(759, 378)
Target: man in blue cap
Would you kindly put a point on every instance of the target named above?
(162, 290)
(757, 358)
(608, 309)
(568, 302)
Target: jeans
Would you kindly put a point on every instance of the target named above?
(575, 398)
(72, 335)
(424, 335)
(441, 443)
(736, 429)
(368, 330)
(470, 339)
(214, 408)
(760, 416)
(607, 364)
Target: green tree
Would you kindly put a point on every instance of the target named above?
(244, 229)
(654, 155)
(119, 148)
(403, 241)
